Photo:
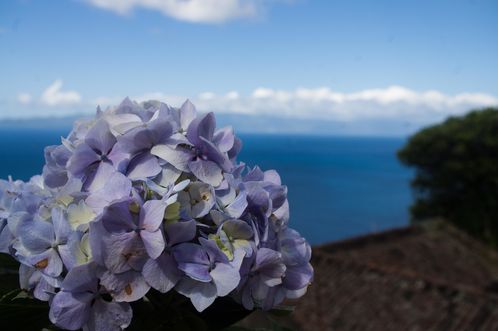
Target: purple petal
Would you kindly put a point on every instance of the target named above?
(238, 229)
(238, 206)
(258, 198)
(109, 316)
(187, 114)
(100, 178)
(25, 276)
(202, 295)
(54, 177)
(122, 123)
(100, 138)
(207, 171)
(68, 254)
(143, 166)
(254, 175)
(273, 177)
(281, 216)
(36, 235)
(122, 252)
(119, 159)
(188, 255)
(152, 214)
(168, 176)
(117, 217)
(95, 234)
(44, 291)
(62, 228)
(278, 195)
(294, 248)
(178, 157)
(269, 263)
(82, 278)
(224, 139)
(83, 157)
(202, 208)
(213, 251)
(214, 154)
(237, 146)
(160, 130)
(70, 310)
(125, 287)
(195, 271)
(180, 231)
(201, 127)
(162, 273)
(297, 277)
(153, 242)
(226, 278)
(117, 187)
(48, 262)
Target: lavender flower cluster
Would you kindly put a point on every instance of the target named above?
(149, 196)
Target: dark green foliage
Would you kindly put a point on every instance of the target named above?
(457, 172)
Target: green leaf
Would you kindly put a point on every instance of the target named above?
(282, 311)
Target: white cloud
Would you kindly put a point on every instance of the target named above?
(391, 103)
(53, 96)
(198, 11)
(390, 110)
(394, 102)
(24, 98)
(232, 95)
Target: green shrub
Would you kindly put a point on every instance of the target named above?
(456, 177)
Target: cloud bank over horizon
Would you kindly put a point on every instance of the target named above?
(392, 104)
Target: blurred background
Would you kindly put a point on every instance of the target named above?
(331, 94)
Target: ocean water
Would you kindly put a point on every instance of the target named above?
(338, 186)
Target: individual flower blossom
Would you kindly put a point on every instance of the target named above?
(184, 116)
(127, 286)
(209, 273)
(130, 234)
(43, 243)
(261, 272)
(138, 142)
(163, 273)
(112, 186)
(205, 154)
(296, 254)
(230, 198)
(264, 198)
(55, 171)
(197, 200)
(81, 304)
(41, 285)
(232, 235)
(79, 249)
(129, 115)
(95, 150)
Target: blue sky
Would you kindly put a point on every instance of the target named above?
(336, 60)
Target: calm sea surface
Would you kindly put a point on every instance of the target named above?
(338, 187)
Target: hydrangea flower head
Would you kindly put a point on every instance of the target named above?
(147, 197)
